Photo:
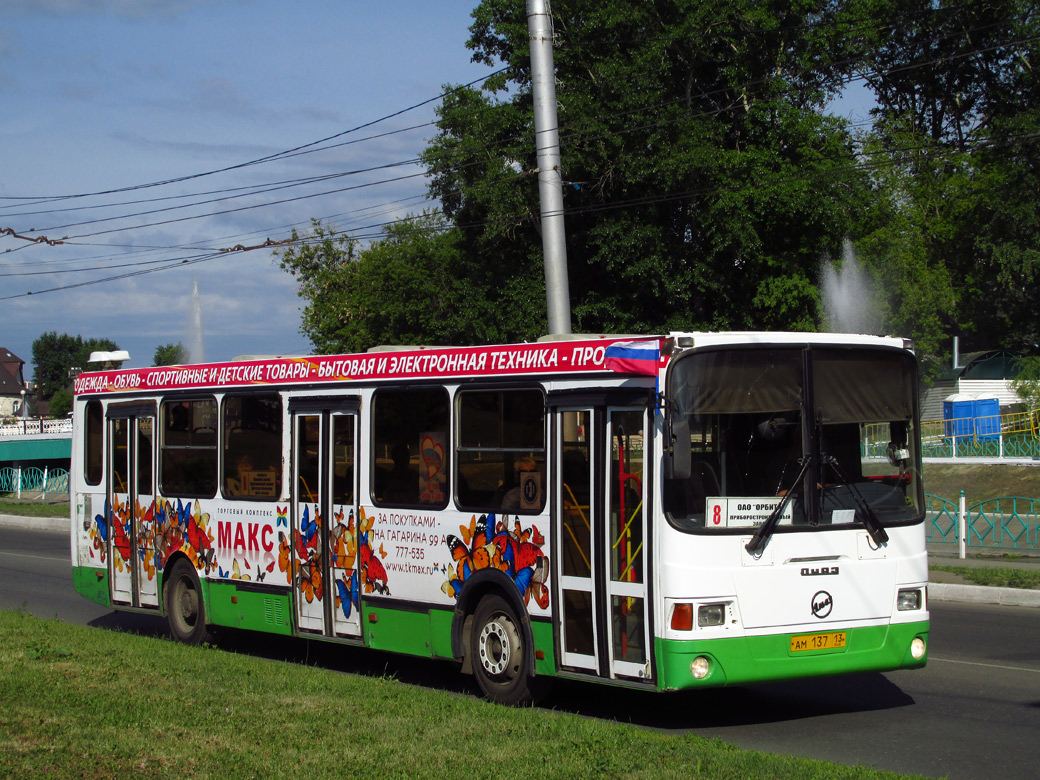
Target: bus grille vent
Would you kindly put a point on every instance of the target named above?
(273, 612)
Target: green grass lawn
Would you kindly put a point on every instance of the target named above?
(981, 482)
(26, 508)
(89, 703)
(1001, 577)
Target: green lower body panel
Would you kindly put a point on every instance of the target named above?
(544, 644)
(428, 634)
(226, 605)
(92, 584)
(753, 659)
(399, 631)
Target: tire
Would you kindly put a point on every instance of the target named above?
(500, 656)
(185, 610)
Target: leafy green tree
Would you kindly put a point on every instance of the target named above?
(56, 356)
(1027, 383)
(323, 263)
(703, 180)
(955, 157)
(53, 355)
(61, 403)
(170, 355)
(411, 287)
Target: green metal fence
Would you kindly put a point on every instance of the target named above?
(1005, 523)
(35, 481)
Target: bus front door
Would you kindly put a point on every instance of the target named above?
(601, 527)
(325, 524)
(626, 554)
(131, 505)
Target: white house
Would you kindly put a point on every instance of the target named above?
(979, 375)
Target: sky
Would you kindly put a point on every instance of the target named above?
(104, 95)
(100, 97)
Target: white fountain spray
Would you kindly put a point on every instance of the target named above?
(849, 304)
(196, 352)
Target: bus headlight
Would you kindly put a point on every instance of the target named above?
(711, 615)
(908, 599)
(917, 648)
(699, 667)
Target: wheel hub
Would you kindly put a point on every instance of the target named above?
(189, 604)
(496, 648)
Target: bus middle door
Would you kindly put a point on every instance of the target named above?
(325, 516)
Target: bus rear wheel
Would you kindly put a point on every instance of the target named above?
(185, 610)
(499, 653)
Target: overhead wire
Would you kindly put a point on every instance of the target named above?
(287, 153)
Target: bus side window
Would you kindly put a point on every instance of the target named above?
(188, 453)
(93, 441)
(410, 447)
(500, 450)
(252, 446)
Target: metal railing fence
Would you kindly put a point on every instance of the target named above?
(35, 426)
(34, 482)
(1004, 523)
(1015, 435)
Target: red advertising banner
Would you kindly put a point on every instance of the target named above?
(542, 358)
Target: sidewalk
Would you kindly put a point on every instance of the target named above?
(945, 586)
(942, 586)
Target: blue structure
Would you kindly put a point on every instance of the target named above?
(968, 417)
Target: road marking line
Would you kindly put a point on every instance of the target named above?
(988, 666)
(27, 555)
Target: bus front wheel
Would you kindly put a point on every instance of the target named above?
(185, 610)
(499, 653)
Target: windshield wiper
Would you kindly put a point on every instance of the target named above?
(873, 525)
(758, 541)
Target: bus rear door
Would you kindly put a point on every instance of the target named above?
(130, 496)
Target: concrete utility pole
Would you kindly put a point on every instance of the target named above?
(550, 183)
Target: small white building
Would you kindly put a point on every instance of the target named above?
(978, 375)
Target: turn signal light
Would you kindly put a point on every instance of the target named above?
(682, 617)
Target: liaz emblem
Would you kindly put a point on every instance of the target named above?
(822, 604)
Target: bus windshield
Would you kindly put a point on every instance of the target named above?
(828, 433)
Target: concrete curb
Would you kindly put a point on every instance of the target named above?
(983, 594)
(37, 523)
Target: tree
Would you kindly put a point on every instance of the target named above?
(957, 166)
(323, 264)
(1027, 384)
(53, 356)
(61, 403)
(56, 356)
(703, 181)
(412, 287)
(170, 355)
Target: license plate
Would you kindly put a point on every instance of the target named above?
(832, 641)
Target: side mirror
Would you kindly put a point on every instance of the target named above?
(677, 461)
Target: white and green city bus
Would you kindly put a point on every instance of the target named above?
(664, 513)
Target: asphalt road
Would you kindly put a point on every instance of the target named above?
(973, 712)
